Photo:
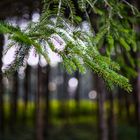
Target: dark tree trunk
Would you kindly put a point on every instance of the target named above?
(47, 94)
(26, 84)
(136, 92)
(120, 102)
(47, 101)
(127, 106)
(102, 126)
(39, 110)
(65, 101)
(124, 103)
(26, 90)
(14, 101)
(136, 81)
(15, 94)
(111, 118)
(1, 86)
(77, 93)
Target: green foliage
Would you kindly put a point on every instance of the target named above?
(80, 47)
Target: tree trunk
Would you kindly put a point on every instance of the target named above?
(26, 90)
(111, 118)
(39, 110)
(77, 93)
(127, 106)
(136, 92)
(1, 86)
(100, 88)
(120, 102)
(136, 82)
(47, 101)
(14, 102)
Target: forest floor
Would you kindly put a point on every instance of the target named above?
(66, 122)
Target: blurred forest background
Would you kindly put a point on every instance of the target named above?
(44, 102)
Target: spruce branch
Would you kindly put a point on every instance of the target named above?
(78, 48)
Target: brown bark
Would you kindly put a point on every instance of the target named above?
(39, 110)
(136, 93)
(1, 86)
(13, 102)
(27, 79)
(102, 126)
(136, 81)
(77, 93)
(127, 106)
(26, 90)
(47, 101)
(120, 103)
(111, 118)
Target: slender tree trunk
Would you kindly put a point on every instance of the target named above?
(138, 102)
(26, 90)
(100, 88)
(47, 101)
(65, 101)
(111, 118)
(47, 91)
(136, 92)
(39, 110)
(14, 102)
(1, 86)
(127, 106)
(27, 80)
(124, 103)
(136, 82)
(120, 102)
